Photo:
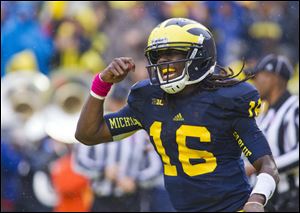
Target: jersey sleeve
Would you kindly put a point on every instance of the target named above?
(241, 104)
(250, 138)
(248, 105)
(128, 120)
(122, 123)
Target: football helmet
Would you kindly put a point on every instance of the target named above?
(184, 35)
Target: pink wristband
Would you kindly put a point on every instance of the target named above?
(99, 87)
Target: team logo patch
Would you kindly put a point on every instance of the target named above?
(157, 102)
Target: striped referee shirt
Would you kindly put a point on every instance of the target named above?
(280, 124)
(134, 156)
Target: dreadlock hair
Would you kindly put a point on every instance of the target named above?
(212, 82)
(223, 79)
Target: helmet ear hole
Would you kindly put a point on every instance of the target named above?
(205, 63)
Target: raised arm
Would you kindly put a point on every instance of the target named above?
(91, 127)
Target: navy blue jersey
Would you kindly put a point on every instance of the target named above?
(200, 138)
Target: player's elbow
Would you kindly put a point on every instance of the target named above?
(91, 138)
(266, 164)
(84, 138)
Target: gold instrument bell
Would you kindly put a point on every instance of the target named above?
(22, 94)
(69, 92)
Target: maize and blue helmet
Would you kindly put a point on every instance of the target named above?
(184, 35)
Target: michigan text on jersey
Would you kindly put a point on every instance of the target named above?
(122, 122)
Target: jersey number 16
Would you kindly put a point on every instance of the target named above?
(185, 153)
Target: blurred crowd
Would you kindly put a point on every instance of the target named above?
(49, 52)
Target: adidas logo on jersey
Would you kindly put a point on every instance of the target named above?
(178, 117)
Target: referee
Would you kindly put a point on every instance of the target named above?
(280, 124)
(121, 173)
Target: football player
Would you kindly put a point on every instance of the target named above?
(199, 119)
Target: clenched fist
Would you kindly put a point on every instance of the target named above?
(117, 70)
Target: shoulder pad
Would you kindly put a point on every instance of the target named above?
(140, 92)
(144, 88)
(141, 84)
(240, 100)
(237, 90)
(140, 89)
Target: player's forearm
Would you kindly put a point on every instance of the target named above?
(266, 167)
(266, 164)
(265, 184)
(90, 123)
(91, 127)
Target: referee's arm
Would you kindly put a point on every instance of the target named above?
(288, 140)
